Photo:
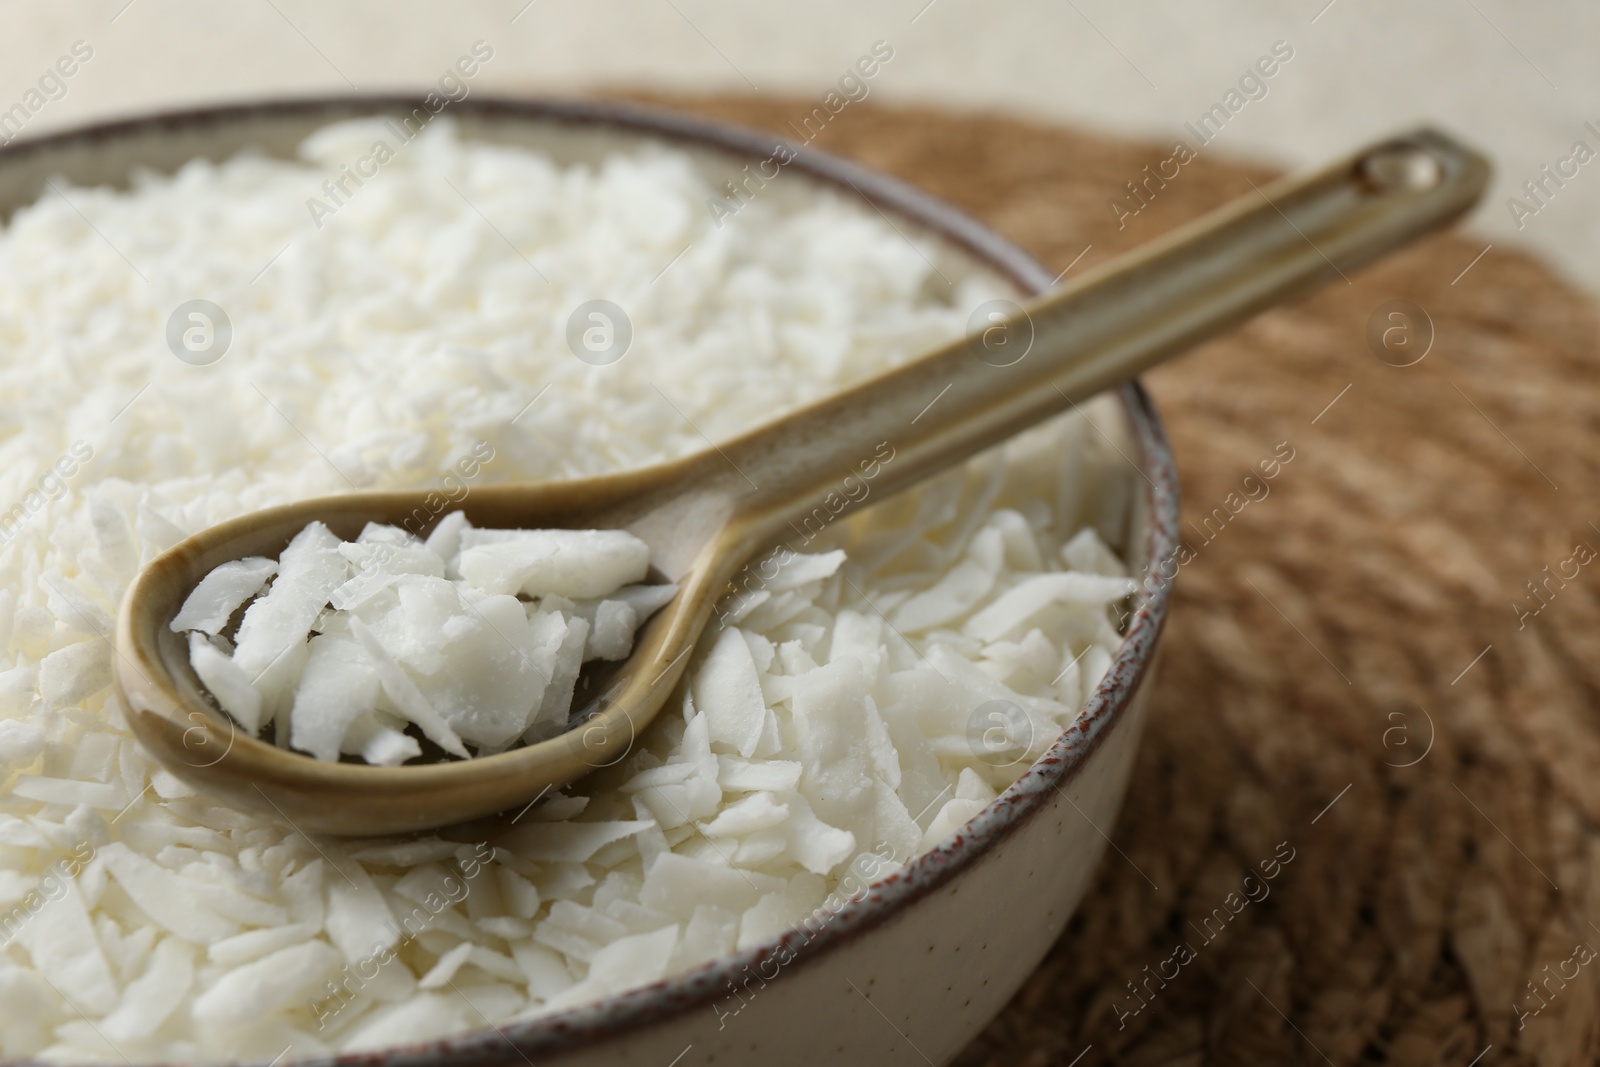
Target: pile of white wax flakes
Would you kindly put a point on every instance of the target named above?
(842, 706)
(471, 636)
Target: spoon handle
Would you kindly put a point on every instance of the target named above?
(1049, 354)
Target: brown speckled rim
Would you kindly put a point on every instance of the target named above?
(627, 1013)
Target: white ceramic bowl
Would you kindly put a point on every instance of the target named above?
(910, 971)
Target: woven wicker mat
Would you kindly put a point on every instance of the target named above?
(1346, 670)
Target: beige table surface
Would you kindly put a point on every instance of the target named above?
(1520, 79)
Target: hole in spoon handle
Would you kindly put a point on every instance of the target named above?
(1400, 167)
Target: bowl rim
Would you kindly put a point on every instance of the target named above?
(660, 1002)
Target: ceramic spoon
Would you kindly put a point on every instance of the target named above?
(705, 516)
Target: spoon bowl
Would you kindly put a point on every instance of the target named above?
(705, 516)
(173, 716)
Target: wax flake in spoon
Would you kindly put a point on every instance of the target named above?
(472, 639)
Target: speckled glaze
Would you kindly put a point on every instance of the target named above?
(909, 972)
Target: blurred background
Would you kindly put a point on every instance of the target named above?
(1516, 77)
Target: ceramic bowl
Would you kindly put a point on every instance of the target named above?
(911, 970)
